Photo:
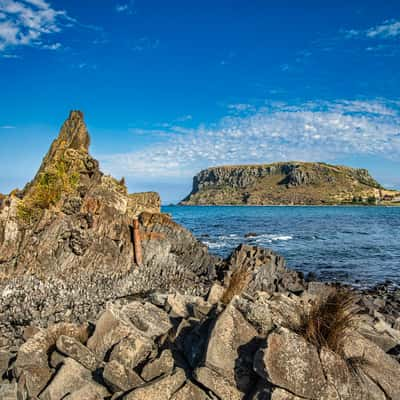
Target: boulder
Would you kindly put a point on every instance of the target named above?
(215, 294)
(5, 360)
(84, 393)
(375, 363)
(76, 350)
(185, 306)
(56, 359)
(33, 379)
(34, 352)
(266, 270)
(231, 348)
(119, 378)
(71, 377)
(281, 394)
(136, 319)
(291, 363)
(217, 384)
(160, 366)
(112, 326)
(349, 384)
(257, 311)
(190, 392)
(161, 389)
(132, 351)
(151, 321)
(8, 391)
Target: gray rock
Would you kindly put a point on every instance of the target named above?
(187, 306)
(112, 326)
(56, 359)
(87, 392)
(132, 351)
(71, 377)
(161, 389)
(281, 394)
(291, 363)
(266, 270)
(217, 384)
(5, 359)
(257, 311)
(215, 294)
(135, 319)
(76, 350)
(119, 378)
(378, 365)
(33, 379)
(8, 391)
(151, 321)
(347, 384)
(190, 392)
(231, 347)
(160, 366)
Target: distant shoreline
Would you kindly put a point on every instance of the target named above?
(284, 205)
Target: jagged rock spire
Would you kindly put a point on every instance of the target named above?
(71, 148)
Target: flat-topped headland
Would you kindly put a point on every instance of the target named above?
(288, 183)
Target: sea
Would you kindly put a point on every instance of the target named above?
(354, 245)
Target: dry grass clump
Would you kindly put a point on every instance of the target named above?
(47, 191)
(330, 320)
(237, 283)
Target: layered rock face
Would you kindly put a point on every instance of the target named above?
(67, 241)
(285, 183)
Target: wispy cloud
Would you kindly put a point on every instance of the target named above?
(126, 8)
(7, 127)
(30, 23)
(311, 131)
(121, 7)
(144, 43)
(387, 30)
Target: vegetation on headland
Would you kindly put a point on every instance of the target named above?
(292, 183)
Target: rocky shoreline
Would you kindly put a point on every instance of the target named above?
(238, 341)
(85, 316)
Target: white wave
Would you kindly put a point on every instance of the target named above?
(270, 237)
(212, 245)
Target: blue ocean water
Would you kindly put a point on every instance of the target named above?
(356, 245)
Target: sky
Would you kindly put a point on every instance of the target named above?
(171, 87)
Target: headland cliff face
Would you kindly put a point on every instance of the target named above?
(287, 183)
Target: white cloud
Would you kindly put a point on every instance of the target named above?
(312, 131)
(7, 127)
(122, 7)
(27, 23)
(387, 30)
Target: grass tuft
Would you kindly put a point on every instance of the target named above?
(330, 320)
(237, 283)
(47, 191)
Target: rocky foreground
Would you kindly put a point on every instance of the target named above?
(288, 183)
(104, 297)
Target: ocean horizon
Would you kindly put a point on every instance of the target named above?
(357, 245)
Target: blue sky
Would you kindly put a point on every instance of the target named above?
(171, 87)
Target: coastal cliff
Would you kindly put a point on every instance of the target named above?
(287, 183)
